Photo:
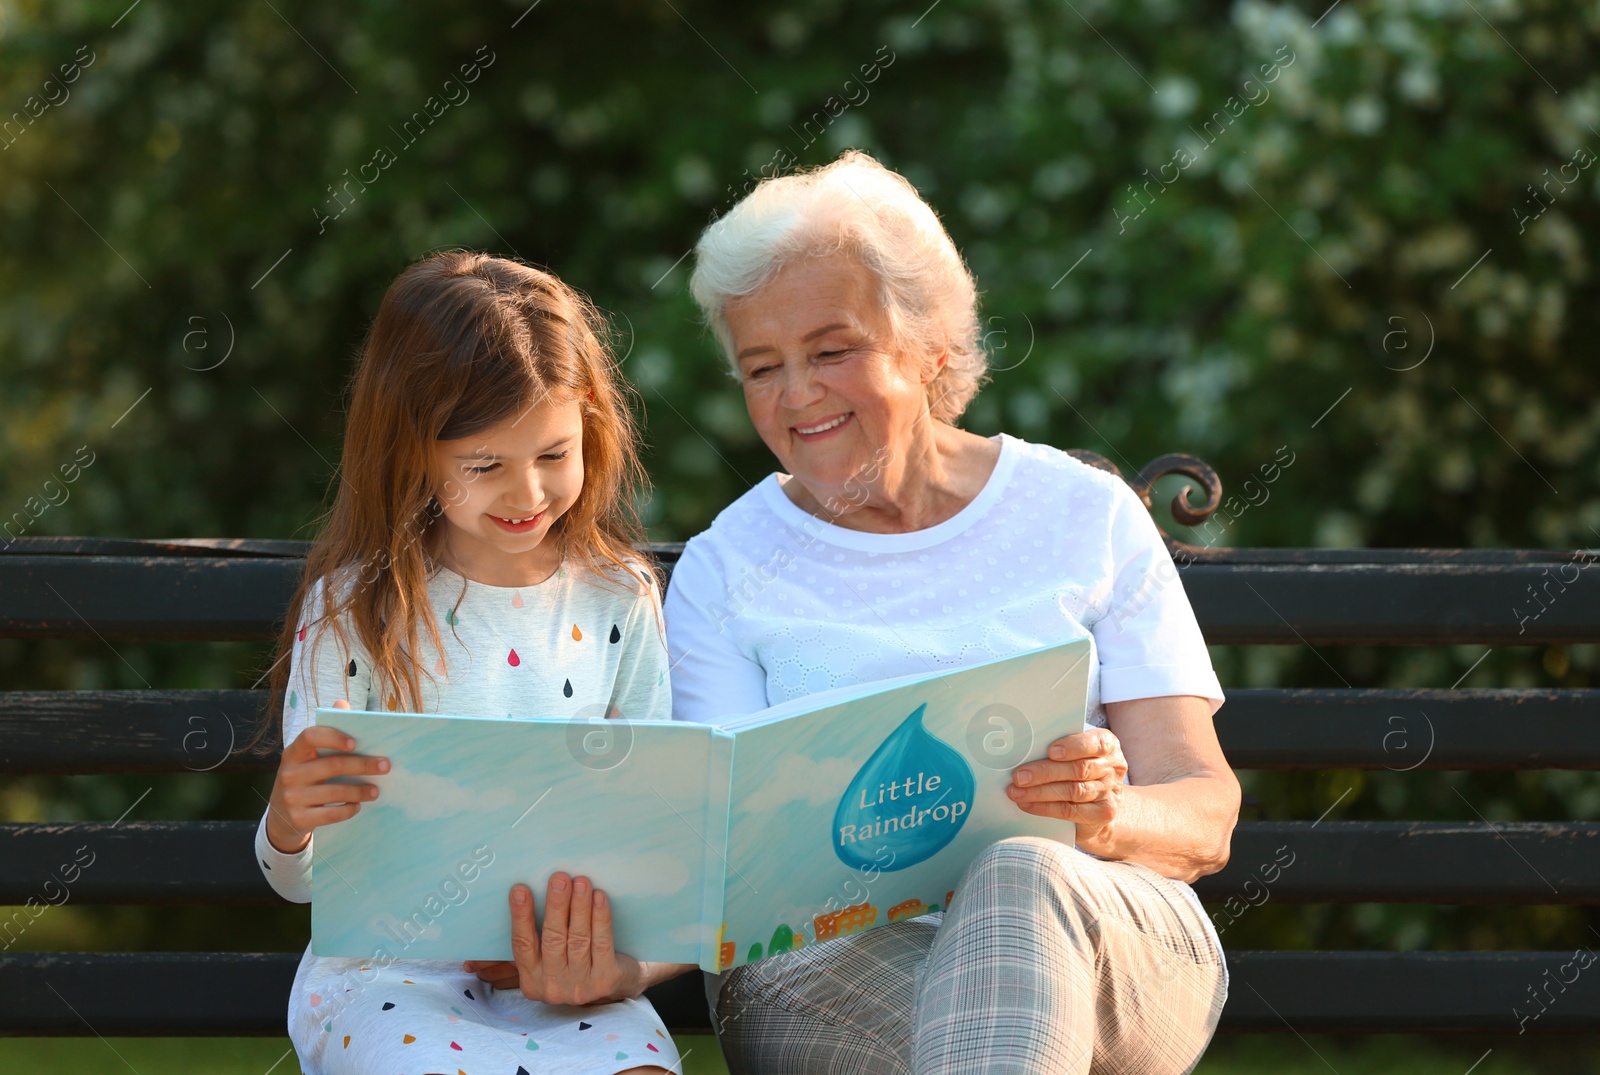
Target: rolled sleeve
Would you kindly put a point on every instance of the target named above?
(1148, 640)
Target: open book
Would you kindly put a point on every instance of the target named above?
(722, 845)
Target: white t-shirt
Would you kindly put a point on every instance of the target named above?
(772, 603)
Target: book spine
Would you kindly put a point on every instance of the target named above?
(718, 802)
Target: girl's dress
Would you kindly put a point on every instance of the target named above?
(572, 646)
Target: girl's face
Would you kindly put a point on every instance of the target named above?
(502, 489)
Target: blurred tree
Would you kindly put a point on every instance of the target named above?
(1357, 234)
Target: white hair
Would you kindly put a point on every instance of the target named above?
(857, 206)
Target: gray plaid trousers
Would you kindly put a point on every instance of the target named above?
(1047, 962)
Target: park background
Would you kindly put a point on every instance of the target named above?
(1376, 264)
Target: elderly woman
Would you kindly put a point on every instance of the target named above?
(850, 321)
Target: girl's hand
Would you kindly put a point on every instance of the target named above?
(573, 960)
(1081, 782)
(500, 973)
(302, 799)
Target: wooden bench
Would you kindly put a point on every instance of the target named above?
(112, 590)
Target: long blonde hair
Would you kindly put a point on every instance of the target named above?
(462, 341)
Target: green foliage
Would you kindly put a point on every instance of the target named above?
(1337, 224)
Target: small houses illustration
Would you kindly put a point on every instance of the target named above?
(911, 908)
(852, 919)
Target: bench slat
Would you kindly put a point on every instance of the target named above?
(1530, 862)
(134, 994)
(1403, 729)
(1432, 601)
(133, 731)
(190, 862)
(193, 730)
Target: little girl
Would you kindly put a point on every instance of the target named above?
(488, 466)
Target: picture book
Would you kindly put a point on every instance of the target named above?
(716, 845)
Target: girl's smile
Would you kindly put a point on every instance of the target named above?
(521, 525)
(502, 491)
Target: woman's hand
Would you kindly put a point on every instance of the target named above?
(573, 961)
(302, 798)
(1081, 781)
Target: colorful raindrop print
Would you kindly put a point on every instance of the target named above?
(912, 796)
(294, 700)
(408, 1039)
(352, 669)
(438, 667)
(516, 599)
(577, 635)
(451, 618)
(512, 659)
(302, 635)
(388, 1004)
(584, 1026)
(567, 689)
(616, 635)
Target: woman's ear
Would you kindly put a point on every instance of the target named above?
(930, 372)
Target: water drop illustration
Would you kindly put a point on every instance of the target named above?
(394, 702)
(438, 667)
(302, 635)
(567, 689)
(577, 635)
(616, 635)
(352, 669)
(294, 700)
(516, 599)
(911, 797)
(512, 659)
(451, 618)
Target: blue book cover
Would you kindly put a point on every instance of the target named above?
(717, 845)
(471, 806)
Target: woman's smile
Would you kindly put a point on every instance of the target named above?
(819, 430)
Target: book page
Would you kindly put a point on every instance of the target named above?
(869, 809)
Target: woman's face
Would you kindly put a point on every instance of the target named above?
(826, 387)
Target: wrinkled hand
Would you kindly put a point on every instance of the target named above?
(1081, 781)
(572, 960)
